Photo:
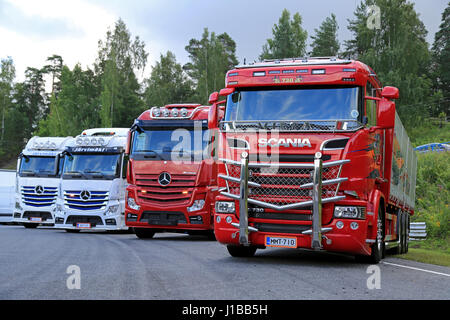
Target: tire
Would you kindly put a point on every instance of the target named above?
(241, 251)
(144, 233)
(30, 225)
(378, 248)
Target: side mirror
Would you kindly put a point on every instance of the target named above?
(213, 97)
(213, 116)
(386, 114)
(226, 91)
(390, 93)
(128, 146)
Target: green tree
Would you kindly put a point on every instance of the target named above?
(119, 58)
(211, 57)
(441, 65)
(54, 68)
(289, 38)
(325, 42)
(397, 51)
(168, 83)
(77, 106)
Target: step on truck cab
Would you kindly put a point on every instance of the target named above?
(172, 176)
(313, 155)
(38, 181)
(93, 181)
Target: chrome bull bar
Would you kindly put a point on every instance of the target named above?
(316, 186)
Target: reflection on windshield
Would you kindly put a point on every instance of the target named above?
(180, 141)
(91, 166)
(335, 103)
(37, 166)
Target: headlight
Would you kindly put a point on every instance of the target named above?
(114, 208)
(198, 205)
(225, 207)
(132, 204)
(350, 212)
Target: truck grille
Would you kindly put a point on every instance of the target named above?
(93, 220)
(283, 186)
(39, 197)
(96, 200)
(178, 191)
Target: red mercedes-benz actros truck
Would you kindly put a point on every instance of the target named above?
(171, 172)
(312, 155)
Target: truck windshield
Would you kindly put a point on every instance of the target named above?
(178, 144)
(91, 166)
(298, 103)
(31, 166)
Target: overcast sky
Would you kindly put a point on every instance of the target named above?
(32, 30)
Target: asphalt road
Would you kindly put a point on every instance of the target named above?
(34, 263)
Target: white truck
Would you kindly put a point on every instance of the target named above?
(93, 181)
(37, 181)
(7, 195)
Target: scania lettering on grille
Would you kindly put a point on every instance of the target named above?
(294, 143)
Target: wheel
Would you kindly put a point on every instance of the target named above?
(378, 248)
(30, 225)
(241, 251)
(72, 230)
(144, 233)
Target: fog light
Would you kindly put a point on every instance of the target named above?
(59, 220)
(196, 220)
(229, 219)
(111, 222)
(354, 225)
(339, 224)
(132, 217)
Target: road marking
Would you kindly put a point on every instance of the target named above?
(418, 269)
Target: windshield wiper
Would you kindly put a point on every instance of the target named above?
(94, 173)
(75, 173)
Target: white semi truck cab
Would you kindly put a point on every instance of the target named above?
(37, 181)
(93, 181)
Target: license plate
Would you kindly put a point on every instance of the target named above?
(36, 219)
(83, 225)
(283, 242)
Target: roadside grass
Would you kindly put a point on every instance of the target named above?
(429, 251)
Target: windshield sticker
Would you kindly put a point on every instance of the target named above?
(354, 114)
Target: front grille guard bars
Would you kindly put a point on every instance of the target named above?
(316, 186)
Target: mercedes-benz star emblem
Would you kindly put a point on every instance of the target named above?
(85, 195)
(39, 189)
(164, 178)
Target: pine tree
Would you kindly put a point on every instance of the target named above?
(289, 38)
(211, 57)
(168, 83)
(325, 42)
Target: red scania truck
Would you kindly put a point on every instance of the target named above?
(171, 174)
(312, 155)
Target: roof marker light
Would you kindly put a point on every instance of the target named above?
(318, 71)
(174, 112)
(259, 73)
(184, 112)
(349, 70)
